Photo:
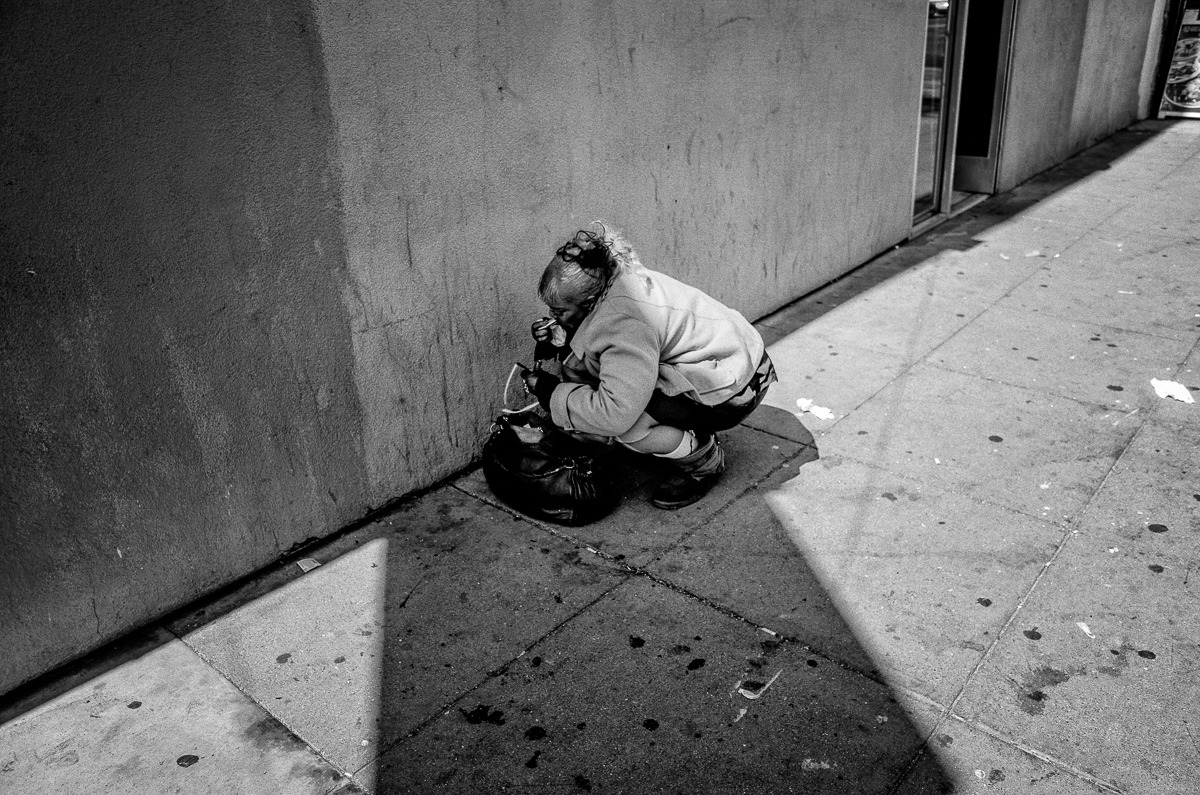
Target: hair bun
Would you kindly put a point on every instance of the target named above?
(590, 250)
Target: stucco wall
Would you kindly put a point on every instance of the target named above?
(1075, 79)
(267, 262)
(179, 403)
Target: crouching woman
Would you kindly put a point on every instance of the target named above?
(657, 364)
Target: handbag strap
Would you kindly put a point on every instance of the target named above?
(517, 366)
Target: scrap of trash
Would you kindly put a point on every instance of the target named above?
(308, 564)
(1172, 389)
(754, 690)
(820, 412)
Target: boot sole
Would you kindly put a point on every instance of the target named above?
(672, 506)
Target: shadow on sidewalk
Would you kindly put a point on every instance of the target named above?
(665, 652)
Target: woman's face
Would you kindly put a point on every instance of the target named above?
(573, 300)
(569, 312)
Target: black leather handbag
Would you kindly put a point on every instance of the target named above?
(548, 473)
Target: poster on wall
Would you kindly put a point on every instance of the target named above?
(1181, 97)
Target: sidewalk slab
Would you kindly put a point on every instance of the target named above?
(839, 380)
(1103, 647)
(1125, 679)
(361, 651)
(1141, 290)
(1038, 454)
(1168, 217)
(1019, 237)
(164, 722)
(744, 562)
(1070, 359)
(907, 316)
(980, 272)
(1148, 510)
(906, 323)
(924, 578)
(641, 694)
(1081, 207)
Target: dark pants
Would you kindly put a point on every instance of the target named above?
(682, 412)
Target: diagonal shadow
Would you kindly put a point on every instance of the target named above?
(638, 682)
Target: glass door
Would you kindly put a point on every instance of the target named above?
(981, 103)
(944, 39)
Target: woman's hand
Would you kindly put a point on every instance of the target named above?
(550, 337)
(541, 385)
(542, 329)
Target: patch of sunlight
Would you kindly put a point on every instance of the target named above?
(311, 653)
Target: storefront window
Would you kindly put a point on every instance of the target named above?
(933, 97)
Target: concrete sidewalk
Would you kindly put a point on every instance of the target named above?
(976, 577)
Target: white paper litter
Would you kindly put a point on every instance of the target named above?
(1085, 629)
(820, 412)
(307, 564)
(755, 694)
(1172, 389)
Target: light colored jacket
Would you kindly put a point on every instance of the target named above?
(652, 331)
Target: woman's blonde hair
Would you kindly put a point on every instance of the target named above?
(585, 265)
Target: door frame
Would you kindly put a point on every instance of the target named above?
(948, 123)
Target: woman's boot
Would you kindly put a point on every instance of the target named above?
(697, 473)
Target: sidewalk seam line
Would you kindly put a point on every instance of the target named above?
(640, 571)
(216, 669)
(1002, 737)
(498, 671)
(1026, 387)
(949, 488)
